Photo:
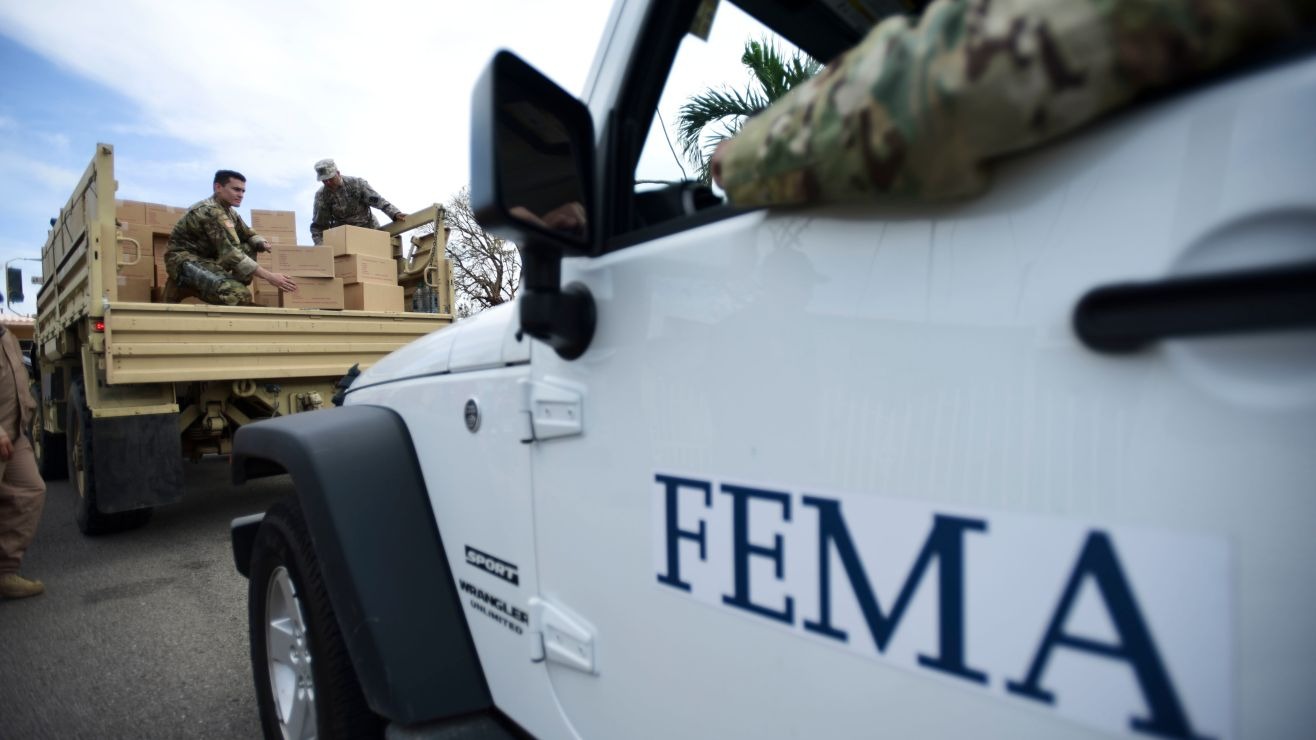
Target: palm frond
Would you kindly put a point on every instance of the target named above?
(764, 65)
(774, 74)
(729, 129)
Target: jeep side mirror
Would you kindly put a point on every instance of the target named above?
(532, 165)
(532, 155)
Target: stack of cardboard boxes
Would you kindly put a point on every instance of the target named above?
(312, 268)
(354, 269)
(278, 227)
(140, 271)
(364, 264)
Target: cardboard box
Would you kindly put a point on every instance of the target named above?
(143, 261)
(356, 240)
(130, 211)
(304, 261)
(273, 220)
(259, 287)
(267, 299)
(133, 288)
(157, 295)
(161, 244)
(314, 292)
(162, 218)
(360, 268)
(279, 238)
(373, 297)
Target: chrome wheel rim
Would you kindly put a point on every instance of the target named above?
(288, 656)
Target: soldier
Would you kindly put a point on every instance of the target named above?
(920, 110)
(211, 250)
(22, 492)
(345, 201)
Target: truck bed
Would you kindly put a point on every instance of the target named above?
(144, 343)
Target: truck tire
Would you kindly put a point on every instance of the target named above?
(82, 474)
(50, 448)
(305, 683)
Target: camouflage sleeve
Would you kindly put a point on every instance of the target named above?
(377, 201)
(245, 234)
(318, 222)
(222, 233)
(919, 110)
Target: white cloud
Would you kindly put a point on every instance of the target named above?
(268, 88)
(134, 129)
(56, 141)
(26, 169)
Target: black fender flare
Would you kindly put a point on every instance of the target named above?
(369, 515)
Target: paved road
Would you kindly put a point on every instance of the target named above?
(141, 634)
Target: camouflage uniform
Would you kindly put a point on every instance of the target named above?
(919, 110)
(22, 492)
(348, 205)
(213, 236)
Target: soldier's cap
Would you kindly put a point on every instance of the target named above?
(325, 169)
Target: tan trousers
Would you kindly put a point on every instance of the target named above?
(22, 495)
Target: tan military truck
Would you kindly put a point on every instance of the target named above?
(128, 389)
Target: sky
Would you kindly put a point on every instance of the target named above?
(267, 87)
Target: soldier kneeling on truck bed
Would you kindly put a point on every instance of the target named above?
(212, 251)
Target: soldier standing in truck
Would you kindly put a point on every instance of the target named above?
(345, 201)
(211, 250)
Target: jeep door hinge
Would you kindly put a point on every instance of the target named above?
(558, 636)
(553, 408)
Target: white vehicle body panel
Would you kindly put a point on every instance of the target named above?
(480, 490)
(486, 340)
(924, 356)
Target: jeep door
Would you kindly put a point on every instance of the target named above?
(849, 471)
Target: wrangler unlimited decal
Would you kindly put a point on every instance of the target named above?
(495, 608)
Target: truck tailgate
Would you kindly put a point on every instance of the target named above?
(154, 343)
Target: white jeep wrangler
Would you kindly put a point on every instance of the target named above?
(1040, 464)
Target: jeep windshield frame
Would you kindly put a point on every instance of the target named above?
(815, 27)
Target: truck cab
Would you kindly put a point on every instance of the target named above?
(1032, 464)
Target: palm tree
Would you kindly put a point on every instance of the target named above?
(774, 74)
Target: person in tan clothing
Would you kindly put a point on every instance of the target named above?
(22, 491)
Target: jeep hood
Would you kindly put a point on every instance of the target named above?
(483, 341)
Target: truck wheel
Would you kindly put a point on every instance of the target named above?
(82, 474)
(305, 684)
(52, 457)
